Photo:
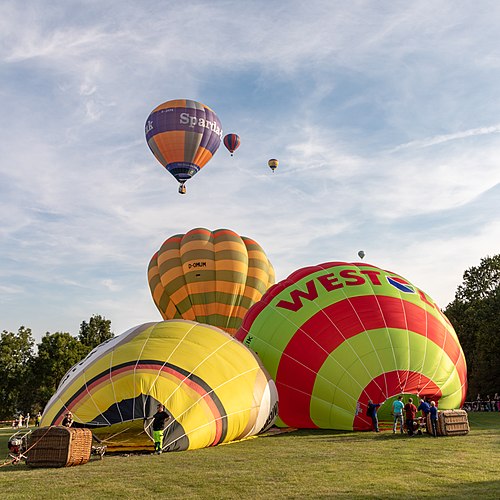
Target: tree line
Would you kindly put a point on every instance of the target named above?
(30, 374)
(475, 315)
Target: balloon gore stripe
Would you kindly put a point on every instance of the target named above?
(193, 381)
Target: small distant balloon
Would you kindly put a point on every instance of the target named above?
(232, 142)
(273, 164)
(361, 254)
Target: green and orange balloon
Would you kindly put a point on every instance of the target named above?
(336, 335)
(213, 277)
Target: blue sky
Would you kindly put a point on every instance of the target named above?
(385, 117)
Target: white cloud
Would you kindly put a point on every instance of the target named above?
(439, 139)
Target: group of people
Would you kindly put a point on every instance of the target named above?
(406, 415)
(24, 421)
(487, 403)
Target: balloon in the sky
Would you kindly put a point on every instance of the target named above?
(183, 135)
(232, 142)
(213, 277)
(361, 254)
(215, 388)
(273, 164)
(336, 335)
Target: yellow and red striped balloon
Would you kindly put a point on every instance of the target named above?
(213, 387)
(336, 335)
(213, 277)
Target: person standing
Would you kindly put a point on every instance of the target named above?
(38, 419)
(410, 413)
(27, 420)
(372, 413)
(160, 418)
(67, 420)
(434, 418)
(397, 411)
(424, 407)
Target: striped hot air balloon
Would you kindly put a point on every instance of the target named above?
(232, 142)
(213, 277)
(336, 335)
(213, 387)
(183, 135)
(273, 164)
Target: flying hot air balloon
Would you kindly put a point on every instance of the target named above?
(336, 335)
(213, 277)
(361, 254)
(273, 164)
(232, 142)
(183, 135)
(214, 388)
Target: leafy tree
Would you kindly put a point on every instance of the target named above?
(16, 353)
(57, 353)
(95, 332)
(475, 314)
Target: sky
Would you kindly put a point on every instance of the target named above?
(385, 117)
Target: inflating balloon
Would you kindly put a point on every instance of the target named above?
(232, 142)
(213, 277)
(183, 135)
(212, 386)
(273, 164)
(361, 254)
(336, 335)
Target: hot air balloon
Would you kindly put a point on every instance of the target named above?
(336, 335)
(232, 142)
(213, 387)
(183, 135)
(361, 254)
(273, 164)
(213, 277)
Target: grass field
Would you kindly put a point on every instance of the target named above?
(300, 464)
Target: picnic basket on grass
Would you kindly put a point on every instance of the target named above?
(59, 447)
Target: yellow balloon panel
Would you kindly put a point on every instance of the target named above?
(213, 387)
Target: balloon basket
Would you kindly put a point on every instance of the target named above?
(59, 447)
(450, 423)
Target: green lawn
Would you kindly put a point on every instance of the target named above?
(300, 464)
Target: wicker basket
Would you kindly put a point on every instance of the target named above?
(59, 447)
(450, 423)
(453, 423)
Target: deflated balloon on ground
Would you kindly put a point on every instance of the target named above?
(215, 389)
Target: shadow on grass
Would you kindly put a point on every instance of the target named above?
(347, 436)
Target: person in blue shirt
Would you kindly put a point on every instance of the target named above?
(372, 413)
(397, 411)
(434, 418)
(424, 407)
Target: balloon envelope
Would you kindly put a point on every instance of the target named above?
(183, 135)
(232, 142)
(273, 164)
(213, 277)
(337, 334)
(215, 389)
